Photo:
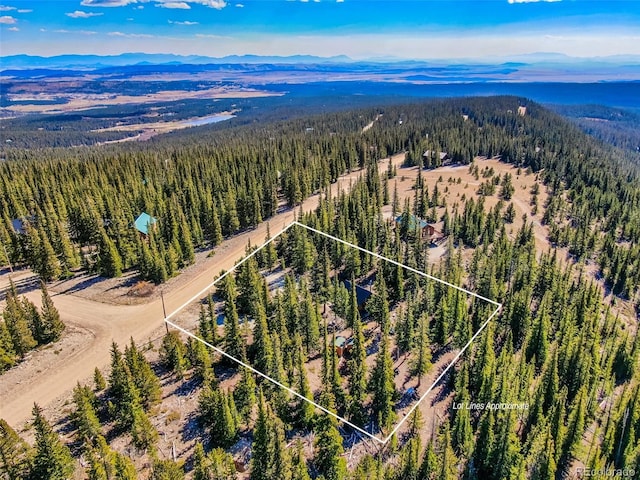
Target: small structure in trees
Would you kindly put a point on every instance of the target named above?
(343, 345)
(144, 222)
(362, 296)
(412, 224)
(429, 156)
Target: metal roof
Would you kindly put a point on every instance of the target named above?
(143, 221)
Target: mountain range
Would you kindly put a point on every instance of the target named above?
(91, 62)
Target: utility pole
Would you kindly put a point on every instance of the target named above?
(164, 310)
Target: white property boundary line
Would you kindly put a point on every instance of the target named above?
(320, 407)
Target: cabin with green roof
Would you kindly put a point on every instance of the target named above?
(144, 222)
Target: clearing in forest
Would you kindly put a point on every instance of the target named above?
(328, 324)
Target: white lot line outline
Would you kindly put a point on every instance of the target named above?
(302, 397)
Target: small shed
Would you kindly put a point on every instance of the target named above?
(143, 222)
(342, 345)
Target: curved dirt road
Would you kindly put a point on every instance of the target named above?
(107, 323)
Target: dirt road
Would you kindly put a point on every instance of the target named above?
(101, 323)
(118, 323)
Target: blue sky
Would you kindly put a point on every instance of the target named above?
(430, 29)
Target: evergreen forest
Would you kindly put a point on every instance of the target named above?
(565, 341)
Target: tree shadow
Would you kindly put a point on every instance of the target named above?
(24, 285)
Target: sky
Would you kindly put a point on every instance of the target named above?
(360, 29)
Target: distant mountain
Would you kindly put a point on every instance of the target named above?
(91, 62)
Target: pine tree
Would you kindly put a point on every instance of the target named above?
(200, 360)
(248, 281)
(173, 353)
(7, 354)
(125, 469)
(109, 261)
(409, 460)
(201, 468)
(378, 304)
(271, 256)
(575, 427)
(262, 451)
(143, 433)
(52, 326)
(145, 380)
(462, 434)
(448, 461)
(167, 470)
(544, 463)
(34, 319)
(218, 465)
(234, 344)
(122, 391)
(429, 464)
(485, 444)
(217, 413)
(303, 408)
(299, 470)
(15, 453)
(309, 320)
(98, 466)
(48, 264)
(328, 444)
(98, 379)
(85, 419)
(68, 254)
(357, 365)
(382, 386)
(244, 394)
(16, 321)
(421, 363)
(443, 321)
(262, 341)
(52, 458)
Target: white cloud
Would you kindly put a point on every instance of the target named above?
(211, 35)
(81, 14)
(217, 4)
(180, 5)
(106, 3)
(239, 5)
(8, 20)
(6, 8)
(130, 35)
(75, 32)
(532, 1)
(186, 22)
(25, 10)
(14, 29)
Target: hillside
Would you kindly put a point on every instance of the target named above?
(529, 212)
